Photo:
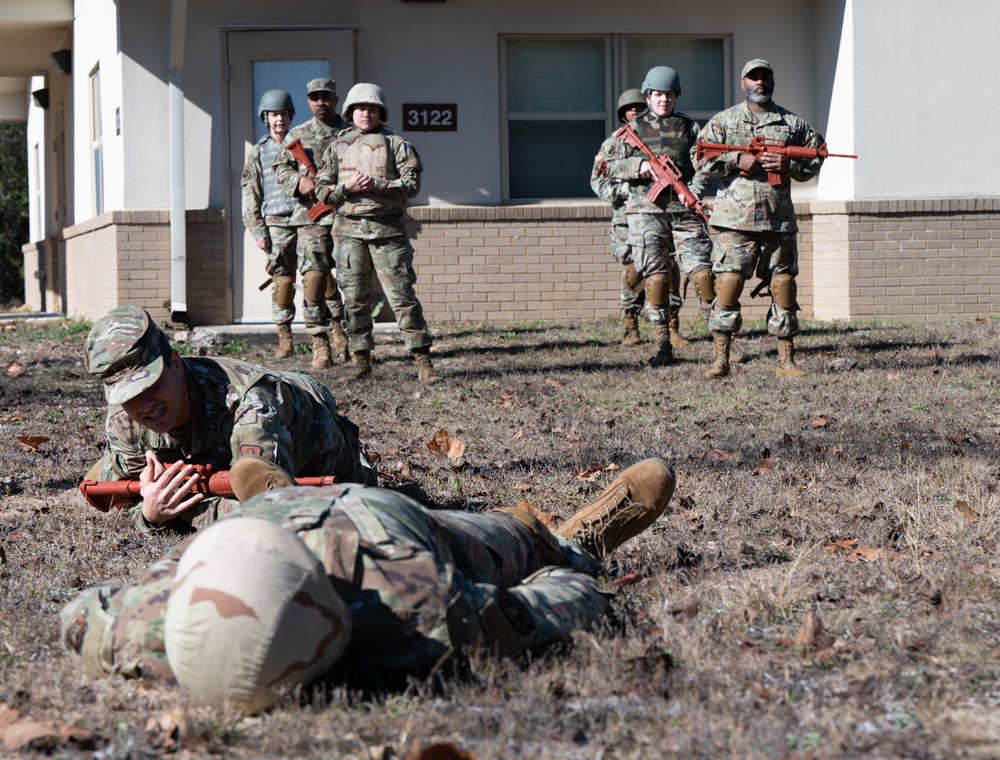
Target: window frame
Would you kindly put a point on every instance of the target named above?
(615, 82)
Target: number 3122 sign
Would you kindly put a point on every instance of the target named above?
(430, 117)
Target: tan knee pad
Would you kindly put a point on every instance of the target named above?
(784, 290)
(728, 287)
(314, 286)
(631, 278)
(704, 283)
(284, 291)
(658, 290)
(331, 287)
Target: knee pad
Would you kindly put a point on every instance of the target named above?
(658, 290)
(784, 290)
(314, 286)
(284, 291)
(631, 278)
(675, 276)
(704, 284)
(728, 287)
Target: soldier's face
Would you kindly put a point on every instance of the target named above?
(631, 112)
(165, 405)
(661, 103)
(323, 105)
(758, 86)
(366, 117)
(279, 122)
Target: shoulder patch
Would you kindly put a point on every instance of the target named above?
(246, 172)
(248, 450)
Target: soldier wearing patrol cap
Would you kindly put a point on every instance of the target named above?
(659, 231)
(267, 212)
(167, 413)
(324, 305)
(302, 583)
(755, 219)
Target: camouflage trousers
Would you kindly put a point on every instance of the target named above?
(391, 259)
(763, 254)
(660, 243)
(305, 249)
(631, 299)
(499, 597)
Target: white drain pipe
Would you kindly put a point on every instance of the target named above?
(178, 222)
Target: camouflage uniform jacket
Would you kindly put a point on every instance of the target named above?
(316, 137)
(674, 136)
(383, 555)
(752, 203)
(239, 409)
(393, 163)
(264, 203)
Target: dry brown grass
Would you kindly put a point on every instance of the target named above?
(758, 628)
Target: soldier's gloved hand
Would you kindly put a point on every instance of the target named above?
(166, 491)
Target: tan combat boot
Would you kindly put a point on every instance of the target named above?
(321, 351)
(664, 351)
(362, 361)
(251, 475)
(627, 507)
(422, 356)
(285, 345)
(675, 336)
(786, 359)
(631, 337)
(720, 366)
(339, 339)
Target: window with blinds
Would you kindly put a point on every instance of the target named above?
(560, 95)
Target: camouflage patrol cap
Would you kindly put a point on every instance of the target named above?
(321, 84)
(756, 63)
(127, 351)
(251, 613)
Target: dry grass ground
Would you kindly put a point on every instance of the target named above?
(825, 584)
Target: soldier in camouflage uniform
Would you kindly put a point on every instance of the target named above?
(240, 612)
(200, 410)
(755, 220)
(657, 230)
(630, 104)
(267, 213)
(369, 173)
(323, 310)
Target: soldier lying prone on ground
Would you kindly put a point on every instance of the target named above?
(304, 583)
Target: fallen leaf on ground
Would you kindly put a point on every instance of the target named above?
(765, 466)
(522, 486)
(893, 375)
(546, 518)
(444, 445)
(819, 422)
(437, 752)
(965, 510)
(16, 369)
(629, 579)
(518, 435)
(715, 455)
(166, 730)
(553, 382)
(811, 633)
(31, 442)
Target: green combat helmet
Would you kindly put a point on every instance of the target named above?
(364, 93)
(662, 79)
(628, 98)
(275, 100)
(251, 614)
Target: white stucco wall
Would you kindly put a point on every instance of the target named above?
(95, 45)
(923, 68)
(418, 52)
